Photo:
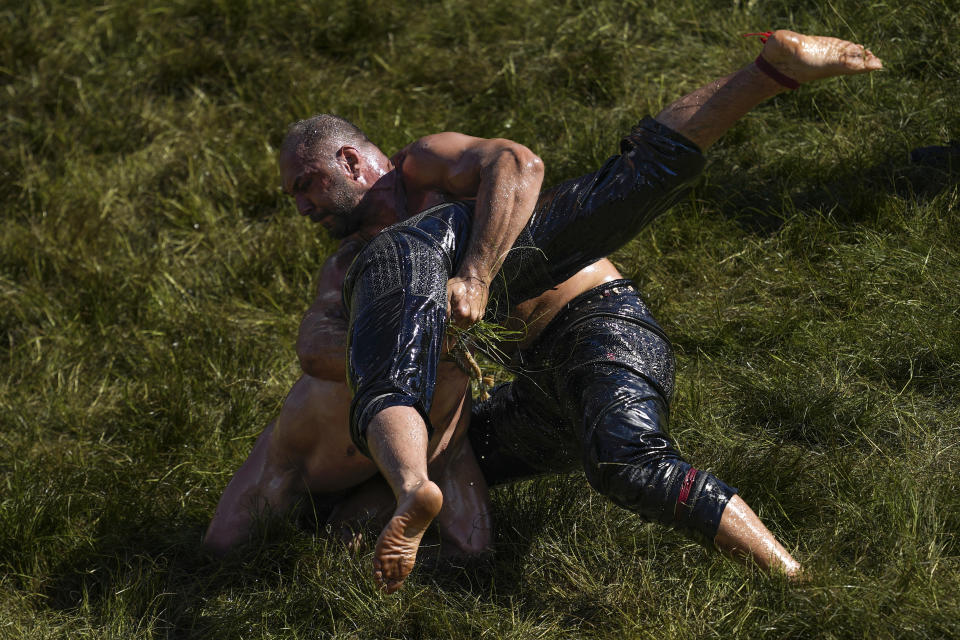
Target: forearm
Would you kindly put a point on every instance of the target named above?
(507, 195)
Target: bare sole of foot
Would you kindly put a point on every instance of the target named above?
(396, 550)
(807, 58)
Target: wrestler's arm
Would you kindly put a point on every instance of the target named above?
(322, 339)
(504, 176)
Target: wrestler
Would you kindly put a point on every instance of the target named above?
(329, 168)
(396, 299)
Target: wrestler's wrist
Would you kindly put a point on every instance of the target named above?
(475, 277)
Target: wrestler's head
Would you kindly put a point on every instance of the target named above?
(327, 164)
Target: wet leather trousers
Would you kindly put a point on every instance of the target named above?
(593, 393)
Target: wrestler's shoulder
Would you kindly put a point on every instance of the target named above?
(425, 159)
(350, 245)
(337, 263)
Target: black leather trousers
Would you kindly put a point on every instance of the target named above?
(593, 393)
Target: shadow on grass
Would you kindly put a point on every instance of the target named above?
(157, 570)
(853, 194)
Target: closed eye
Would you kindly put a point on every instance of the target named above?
(302, 183)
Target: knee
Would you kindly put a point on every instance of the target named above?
(472, 538)
(638, 469)
(475, 543)
(641, 484)
(298, 430)
(628, 457)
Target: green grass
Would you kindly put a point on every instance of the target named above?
(152, 276)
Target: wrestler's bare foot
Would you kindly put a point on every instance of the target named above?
(807, 58)
(396, 550)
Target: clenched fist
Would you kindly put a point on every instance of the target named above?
(466, 300)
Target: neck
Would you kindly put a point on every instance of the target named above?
(381, 206)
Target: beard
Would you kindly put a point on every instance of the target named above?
(343, 221)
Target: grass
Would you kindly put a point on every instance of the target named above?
(152, 276)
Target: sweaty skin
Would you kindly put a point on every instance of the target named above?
(308, 449)
(300, 452)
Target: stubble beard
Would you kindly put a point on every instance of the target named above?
(345, 221)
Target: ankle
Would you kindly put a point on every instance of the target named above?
(782, 79)
(761, 83)
(419, 491)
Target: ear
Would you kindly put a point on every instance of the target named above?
(348, 158)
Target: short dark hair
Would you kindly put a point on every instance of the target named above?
(310, 139)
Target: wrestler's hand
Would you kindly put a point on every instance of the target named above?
(466, 300)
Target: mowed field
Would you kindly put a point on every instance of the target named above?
(152, 276)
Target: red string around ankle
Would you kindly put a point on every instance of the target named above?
(764, 35)
(768, 68)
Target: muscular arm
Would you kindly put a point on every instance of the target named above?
(322, 340)
(504, 176)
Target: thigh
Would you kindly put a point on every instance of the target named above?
(311, 436)
(616, 359)
(395, 292)
(518, 433)
(587, 218)
(621, 419)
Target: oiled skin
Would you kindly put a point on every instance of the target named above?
(308, 447)
(701, 117)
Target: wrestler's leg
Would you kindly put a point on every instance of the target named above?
(631, 479)
(517, 433)
(374, 501)
(615, 387)
(397, 439)
(465, 520)
(304, 449)
(396, 293)
(742, 535)
(260, 484)
(629, 459)
(704, 115)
